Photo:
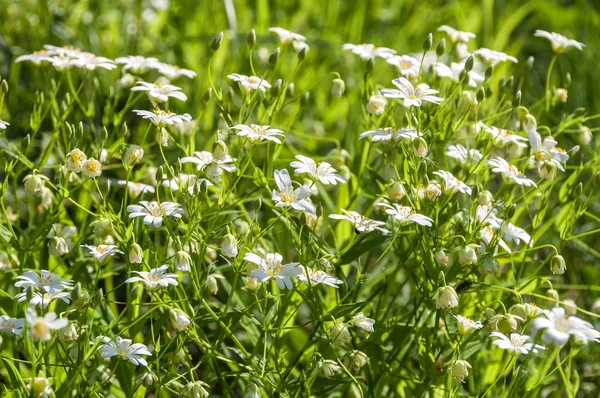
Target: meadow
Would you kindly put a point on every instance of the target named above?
(294, 199)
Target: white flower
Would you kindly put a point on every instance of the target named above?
(187, 182)
(11, 325)
(270, 267)
(91, 168)
(545, 151)
(467, 255)
(503, 137)
(463, 155)
(329, 367)
(3, 125)
(369, 51)
(256, 132)
(407, 65)
(45, 281)
(286, 36)
(63, 62)
(153, 212)
(376, 104)
(317, 277)
(456, 35)
(406, 215)
(173, 71)
(363, 322)
(410, 94)
(515, 234)
(229, 246)
(41, 326)
(493, 58)
(250, 83)
(37, 57)
(288, 196)
(509, 172)
(136, 188)
(123, 349)
(154, 279)
(90, 62)
(516, 343)
(445, 297)
(75, 160)
(102, 252)
(43, 299)
(162, 118)
(559, 42)
(179, 320)
(133, 154)
(466, 325)
(204, 158)
(451, 183)
(160, 92)
(323, 171)
(40, 387)
(340, 334)
(560, 326)
(361, 223)
(391, 133)
(137, 63)
(460, 370)
(453, 72)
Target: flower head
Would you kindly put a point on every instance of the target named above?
(154, 279)
(451, 183)
(162, 118)
(271, 267)
(363, 322)
(407, 65)
(456, 35)
(103, 252)
(391, 133)
(559, 42)
(123, 349)
(173, 71)
(361, 223)
(509, 172)
(322, 172)
(466, 325)
(369, 51)
(41, 327)
(493, 58)
(286, 36)
(516, 343)
(286, 195)
(412, 96)
(256, 132)
(44, 281)
(250, 83)
(160, 92)
(559, 326)
(317, 277)
(406, 215)
(154, 212)
(137, 64)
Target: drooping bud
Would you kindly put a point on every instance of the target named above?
(251, 283)
(133, 154)
(469, 63)
(229, 246)
(220, 150)
(420, 147)
(441, 257)
(558, 265)
(338, 87)
(58, 246)
(460, 370)
(35, 184)
(339, 334)
(179, 320)
(183, 261)
(445, 297)
(467, 255)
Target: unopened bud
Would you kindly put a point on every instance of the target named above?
(428, 43)
(216, 42)
(251, 40)
(274, 58)
(441, 48)
(338, 87)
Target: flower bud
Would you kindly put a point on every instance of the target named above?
(183, 261)
(585, 135)
(216, 42)
(558, 265)
(211, 284)
(147, 379)
(179, 320)
(206, 97)
(433, 190)
(510, 211)
(529, 123)
(441, 257)
(548, 171)
(330, 367)
(291, 88)
(276, 88)
(252, 391)
(136, 254)
(441, 48)
(302, 50)
(369, 65)
(561, 95)
(274, 58)
(469, 63)
(480, 95)
(126, 81)
(359, 359)
(102, 228)
(445, 297)
(339, 334)
(305, 99)
(338, 87)
(570, 307)
(507, 323)
(251, 283)
(460, 370)
(58, 246)
(229, 246)
(467, 255)
(419, 147)
(251, 40)
(428, 43)
(162, 137)
(517, 99)
(396, 191)
(220, 150)
(34, 184)
(485, 198)
(553, 294)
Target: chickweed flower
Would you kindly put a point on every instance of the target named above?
(286, 36)
(369, 51)
(451, 183)
(466, 325)
(102, 252)
(391, 133)
(445, 297)
(160, 92)
(509, 172)
(493, 58)
(329, 367)
(317, 277)
(412, 96)
(11, 325)
(91, 168)
(271, 267)
(250, 83)
(41, 327)
(460, 370)
(229, 246)
(406, 215)
(162, 118)
(516, 343)
(361, 223)
(376, 104)
(259, 133)
(123, 349)
(154, 212)
(456, 35)
(286, 195)
(407, 65)
(363, 322)
(559, 42)
(322, 172)
(137, 64)
(559, 326)
(339, 333)
(154, 279)
(173, 71)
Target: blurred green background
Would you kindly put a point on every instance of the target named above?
(181, 31)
